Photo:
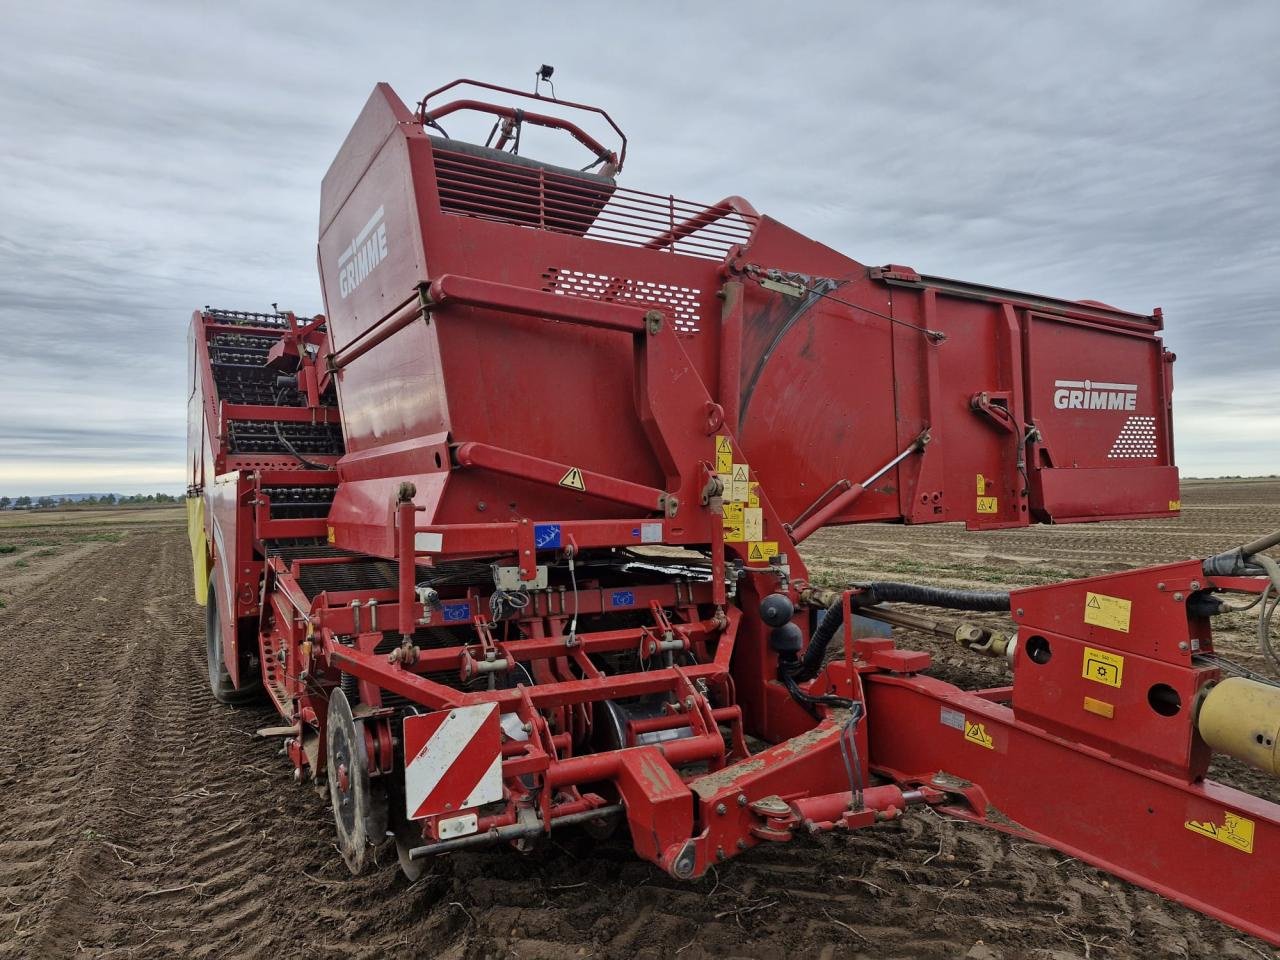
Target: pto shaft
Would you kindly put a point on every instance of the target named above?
(1241, 718)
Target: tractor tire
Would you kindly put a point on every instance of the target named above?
(220, 684)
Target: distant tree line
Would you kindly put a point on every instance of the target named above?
(106, 500)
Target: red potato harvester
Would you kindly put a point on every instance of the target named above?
(508, 536)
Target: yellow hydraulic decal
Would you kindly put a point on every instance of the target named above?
(1110, 612)
(573, 480)
(1235, 831)
(724, 455)
(982, 485)
(753, 494)
(1103, 667)
(977, 733)
(762, 551)
(988, 505)
(199, 548)
(733, 532)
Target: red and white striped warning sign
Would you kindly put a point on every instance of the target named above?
(454, 760)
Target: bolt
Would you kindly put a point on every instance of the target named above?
(720, 854)
(742, 799)
(1160, 585)
(742, 844)
(721, 809)
(1195, 584)
(1177, 596)
(1019, 611)
(1184, 646)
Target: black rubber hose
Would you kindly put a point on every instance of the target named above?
(882, 591)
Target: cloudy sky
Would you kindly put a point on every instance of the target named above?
(155, 157)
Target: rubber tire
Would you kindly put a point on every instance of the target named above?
(219, 677)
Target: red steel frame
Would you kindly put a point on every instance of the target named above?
(707, 364)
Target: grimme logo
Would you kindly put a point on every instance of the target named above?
(362, 255)
(1089, 395)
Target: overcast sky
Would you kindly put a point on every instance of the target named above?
(155, 157)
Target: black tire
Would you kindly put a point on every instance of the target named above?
(219, 677)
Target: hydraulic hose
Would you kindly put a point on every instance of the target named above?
(284, 441)
(882, 591)
(1248, 559)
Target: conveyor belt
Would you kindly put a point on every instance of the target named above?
(295, 502)
(259, 437)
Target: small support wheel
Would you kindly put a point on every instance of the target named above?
(407, 837)
(359, 803)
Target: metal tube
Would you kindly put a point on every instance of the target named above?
(820, 517)
(515, 831)
(397, 320)
(1262, 543)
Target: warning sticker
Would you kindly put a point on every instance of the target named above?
(1103, 667)
(724, 455)
(951, 718)
(1235, 831)
(752, 522)
(977, 733)
(753, 494)
(762, 551)
(1175, 505)
(573, 479)
(988, 505)
(733, 532)
(330, 535)
(739, 478)
(1110, 612)
(982, 485)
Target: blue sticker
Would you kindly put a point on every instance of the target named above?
(546, 536)
(455, 612)
(635, 532)
(622, 598)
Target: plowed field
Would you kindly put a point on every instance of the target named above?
(140, 819)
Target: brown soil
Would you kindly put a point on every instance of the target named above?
(140, 819)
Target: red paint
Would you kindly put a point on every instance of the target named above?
(529, 363)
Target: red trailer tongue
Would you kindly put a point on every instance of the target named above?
(509, 535)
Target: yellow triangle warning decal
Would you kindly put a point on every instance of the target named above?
(573, 479)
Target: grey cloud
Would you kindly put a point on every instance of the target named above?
(155, 158)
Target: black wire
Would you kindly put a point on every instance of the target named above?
(937, 336)
(309, 464)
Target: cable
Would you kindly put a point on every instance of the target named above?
(1232, 667)
(849, 754)
(309, 464)
(871, 593)
(937, 336)
(1268, 608)
(573, 579)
